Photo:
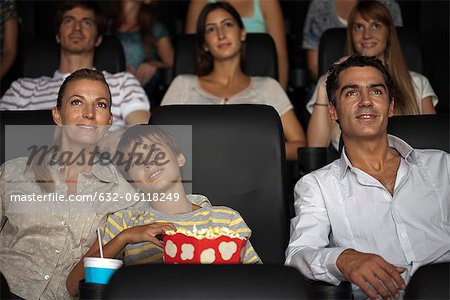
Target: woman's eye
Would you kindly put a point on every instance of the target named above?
(75, 102)
(377, 26)
(209, 29)
(102, 105)
(229, 24)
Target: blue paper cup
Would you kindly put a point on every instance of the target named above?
(99, 270)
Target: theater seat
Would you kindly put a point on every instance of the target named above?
(260, 55)
(160, 281)
(11, 141)
(41, 56)
(238, 161)
(422, 131)
(430, 282)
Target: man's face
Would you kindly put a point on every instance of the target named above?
(362, 103)
(78, 31)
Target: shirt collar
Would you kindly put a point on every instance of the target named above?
(103, 170)
(403, 148)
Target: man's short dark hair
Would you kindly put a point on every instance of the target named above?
(100, 18)
(357, 61)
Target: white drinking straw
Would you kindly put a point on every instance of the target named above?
(100, 242)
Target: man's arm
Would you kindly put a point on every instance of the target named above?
(375, 276)
(309, 246)
(138, 117)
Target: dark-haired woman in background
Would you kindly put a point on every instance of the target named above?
(145, 40)
(221, 80)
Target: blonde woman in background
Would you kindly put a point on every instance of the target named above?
(371, 32)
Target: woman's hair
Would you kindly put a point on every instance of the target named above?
(404, 94)
(89, 74)
(67, 5)
(39, 165)
(147, 17)
(205, 61)
(139, 134)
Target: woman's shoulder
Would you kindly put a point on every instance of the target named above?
(418, 78)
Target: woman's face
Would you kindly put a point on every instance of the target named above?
(85, 106)
(370, 37)
(223, 37)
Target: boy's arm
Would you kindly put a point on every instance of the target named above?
(132, 235)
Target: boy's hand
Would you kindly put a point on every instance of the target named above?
(146, 233)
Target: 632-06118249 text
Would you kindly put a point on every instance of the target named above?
(103, 197)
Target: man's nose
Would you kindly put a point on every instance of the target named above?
(365, 99)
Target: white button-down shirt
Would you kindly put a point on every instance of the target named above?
(340, 207)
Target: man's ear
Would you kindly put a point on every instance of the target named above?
(391, 108)
(56, 116)
(181, 160)
(98, 41)
(58, 40)
(332, 111)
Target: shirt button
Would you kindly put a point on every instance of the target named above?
(403, 235)
(46, 277)
(63, 223)
(57, 251)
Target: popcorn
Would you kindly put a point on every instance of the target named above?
(218, 245)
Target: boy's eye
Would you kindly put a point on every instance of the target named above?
(357, 27)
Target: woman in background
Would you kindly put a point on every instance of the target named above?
(146, 41)
(257, 16)
(371, 32)
(221, 80)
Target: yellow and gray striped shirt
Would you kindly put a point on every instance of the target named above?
(206, 216)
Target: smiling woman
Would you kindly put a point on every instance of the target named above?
(371, 32)
(41, 241)
(220, 42)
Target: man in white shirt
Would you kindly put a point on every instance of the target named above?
(382, 210)
(80, 27)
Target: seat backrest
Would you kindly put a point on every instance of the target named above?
(332, 44)
(238, 161)
(422, 131)
(41, 56)
(430, 282)
(22, 117)
(157, 281)
(260, 55)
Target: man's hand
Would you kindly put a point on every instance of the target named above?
(146, 233)
(375, 276)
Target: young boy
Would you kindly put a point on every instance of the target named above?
(151, 161)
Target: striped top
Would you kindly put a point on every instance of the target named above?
(207, 216)
(41, 93)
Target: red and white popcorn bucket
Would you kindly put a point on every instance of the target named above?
(186, 249)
